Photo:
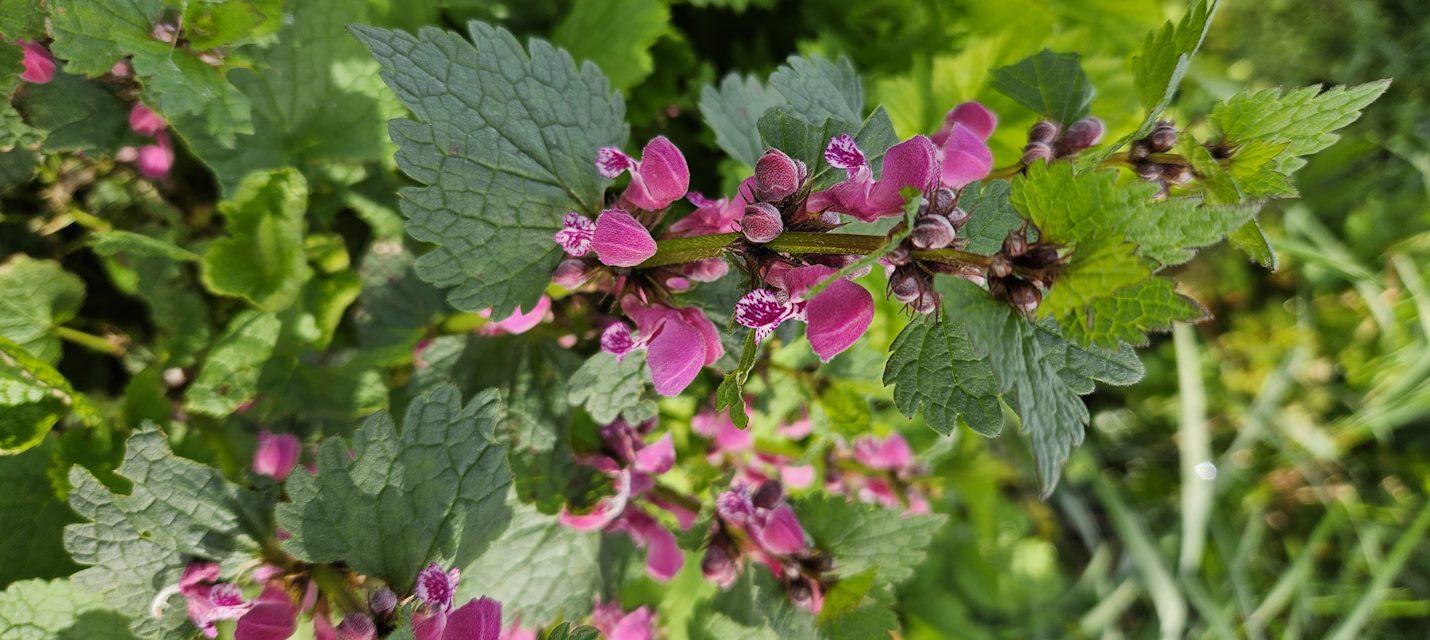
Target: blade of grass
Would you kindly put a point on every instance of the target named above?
(1350, 626)
(1194, 444)
(1167, 597)
(1294, 577)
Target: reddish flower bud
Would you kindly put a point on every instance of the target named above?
(39, 65)
(1036, 151)
(762, 223)
(768, 495)
(382, 601)
(143, 120)
(276, 455)
(719, 567)
(926, 303)
(1163, 137)
(1043, 132)
(570, 273)
(932, 232)
(904, 286)
(898, 257)
(1080, 135)
(943, 201)
(957, 217)
(777, 176)
(356, 626)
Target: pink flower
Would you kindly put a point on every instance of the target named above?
(715, 216)
(143, 120)
(273, 617)
(963, 154)
(725, 437)
(911, 163)
(354, 626)
(155, 160)
(39, 64)
(632, 464)
(436, 588)
(678, 342)
(837, 317)
(515, 631)
(616, 624)
(620, 240)
(479, 619)
(518, 322)
(887, 454)
(207, 600)
(276, 455)
(575, 234)
(658, 179)
(778, 531)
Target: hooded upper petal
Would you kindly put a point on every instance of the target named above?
(675, 355)
(695, 317)
(838, 316)
(888, 454)
(521, 322)
(972, 115)
(479, 619)
(780, 532)
(273, 617)
(38, 63)
(277, 454)
(663, 557)
(620, 240)
(655, 458)
(963, 158)
(911, 163)
(660, 178)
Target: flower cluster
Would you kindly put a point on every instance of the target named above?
(755, 521)
(633, 466)
(155, 160)
(885, 476)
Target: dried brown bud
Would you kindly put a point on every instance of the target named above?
(1042, 255)
(1149, 171)
(898, 256)
(1000, 266)
(1016, 244)
(926, 303)
(1176, 174)
(1024, 297)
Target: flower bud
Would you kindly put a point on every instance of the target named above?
(1081, 134)
(957, 217)
(356, 626)
(122, 69)
(1015, 245)
(944, 200)
(932, 232)
(777, 176)
(762, 223)
(1024, 297)
(926, 303)
(276, 455)
(1149, 171)
(1176, 174)
(382, 602)
(143, 121)
(904, 286)
(39, 66)
(165, 33)
(1163, 137)
(807, 594)
(1043, 132)
(1036, 151)
(1000, 266)
(570, 273)
(898, 256)
(768, 495)
(1139, 151)
(1043, 255)
(718, 567)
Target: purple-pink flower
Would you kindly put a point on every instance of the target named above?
(616, 624)
(620, 240)
(206, 599)
(277, 454)
(659, 178)
(714, 216)
(273, 617)
(143, 121)
(890, 453)
(678, 342)
(963, 154)
(911, 163)
(519, 321)
(632, 464)
(478, 619)
(39, 64)
(756, 521)
(836, 317)
(576, 234)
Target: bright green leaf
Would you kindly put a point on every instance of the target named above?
(58, 610)
(230, 373)
(616, 35)
(36, 297)
(262, 259)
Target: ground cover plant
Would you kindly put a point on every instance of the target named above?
(637, 319)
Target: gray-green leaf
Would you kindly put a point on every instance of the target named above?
(933, 368)
(1051, 84)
